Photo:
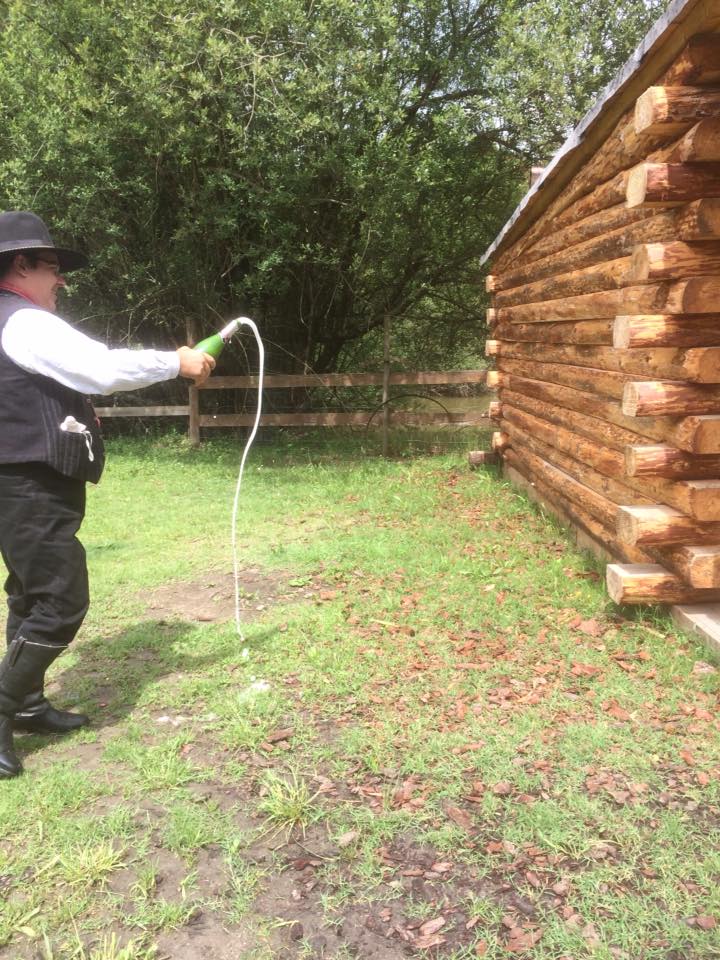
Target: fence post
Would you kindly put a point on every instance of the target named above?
(194, 419)
(386, 384)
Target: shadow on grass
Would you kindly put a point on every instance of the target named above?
(109, 678)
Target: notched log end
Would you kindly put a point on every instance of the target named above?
(636, 189)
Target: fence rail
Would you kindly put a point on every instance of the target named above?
(197, 420)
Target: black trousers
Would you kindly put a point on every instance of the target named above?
(40, 514)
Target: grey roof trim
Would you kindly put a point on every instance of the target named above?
(676, 10)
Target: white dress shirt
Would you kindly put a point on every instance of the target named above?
(40, 342)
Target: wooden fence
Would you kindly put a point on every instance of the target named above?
(197, 419)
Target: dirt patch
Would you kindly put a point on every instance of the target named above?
(212, 599)
(206, 938)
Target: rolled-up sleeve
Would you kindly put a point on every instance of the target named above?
(40, 342)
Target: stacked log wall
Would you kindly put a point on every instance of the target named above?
(605, 331)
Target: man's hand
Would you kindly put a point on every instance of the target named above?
(195, 365)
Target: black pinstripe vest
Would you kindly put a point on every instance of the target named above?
(32, 407)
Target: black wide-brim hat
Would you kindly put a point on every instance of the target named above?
(22, 231)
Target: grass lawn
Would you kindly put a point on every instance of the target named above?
(436, 738)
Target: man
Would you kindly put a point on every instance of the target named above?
(50, 445)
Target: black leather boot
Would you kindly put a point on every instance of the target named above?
(37, 715)
(21, 669)
(10, 766)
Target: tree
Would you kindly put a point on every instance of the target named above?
(318, 165)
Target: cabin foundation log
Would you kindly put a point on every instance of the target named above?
(694, 434)
(697, 498)
(702, 620)
(616, 491)
(569, 514)
(660, 460)
(481, 458)
(651, 583)
(664, 398)
(647, 525)
(584, 540)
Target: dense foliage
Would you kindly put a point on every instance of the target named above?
(318, 164)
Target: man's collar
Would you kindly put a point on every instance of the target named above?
(4, 285)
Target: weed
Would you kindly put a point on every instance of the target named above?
(287, 802)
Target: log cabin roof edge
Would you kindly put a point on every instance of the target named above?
(653, 54)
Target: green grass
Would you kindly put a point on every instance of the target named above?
(444, 681)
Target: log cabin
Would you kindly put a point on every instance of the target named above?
(604, 323)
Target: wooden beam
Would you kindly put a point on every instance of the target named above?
(698, 64)
(589, 306)
(159, 411)
(698, 364)
(578, 532)
(701, 144)
(607, 461)
(593, 426)
(615, 490)
(696, 295)
(599, 332)
(699, 220)
(610, 221)
(570, 513)
(661, 460)
(358, 418)
(651, 583)
(280, 381)
(600, 383)
(577, 253)
(665, 111)
(564, 486)
(666, 330)
(663, 399)
(658, 525)
(481, 458)
(494, 380)
(500, 442)
(697, 498)
(651, 65)
(595, 187)
(560, 215)
(495, 410)
(696, 565)
(696, 434)
(674, 260)
(599, 276)
(671, 184)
